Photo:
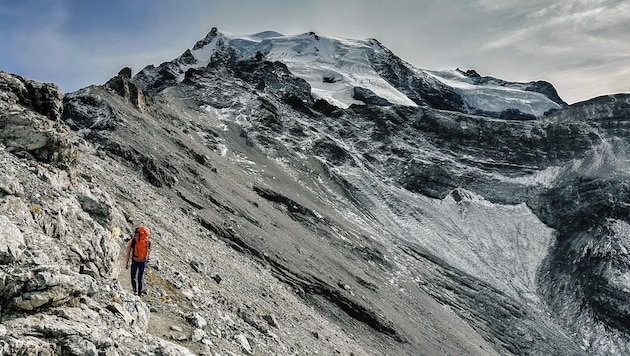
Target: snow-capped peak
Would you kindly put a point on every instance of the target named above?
(332, 66)
(343, 71)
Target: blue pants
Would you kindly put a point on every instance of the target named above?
(137, 270)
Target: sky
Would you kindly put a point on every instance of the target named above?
(581, 46)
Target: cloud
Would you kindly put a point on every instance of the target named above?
(571, 25)
(586, 41)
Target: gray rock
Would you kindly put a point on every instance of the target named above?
(169, 349)
(155, 262)
(271, 320)
(120, 310)
(76, 345)
(12, 243)
(125, 72)
(44, 98)
(30, 122)
(50, 288)
(198, 335)
(127, 88)
(179, 337)
(28, 345)
(11, 186)
(197, 320)
(244, 343)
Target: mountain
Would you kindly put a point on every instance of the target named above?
(345, 72)
(312, 195)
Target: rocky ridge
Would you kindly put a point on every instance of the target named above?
(64, 229)
(286, 225)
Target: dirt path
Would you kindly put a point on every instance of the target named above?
(161, 316)
(124, 276)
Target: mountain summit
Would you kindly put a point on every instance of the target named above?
(345, 72)
(312, 195)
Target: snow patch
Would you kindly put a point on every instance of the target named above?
(495, 96)
(503, 245)
(310, 57)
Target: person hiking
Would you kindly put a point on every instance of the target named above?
(138, 249)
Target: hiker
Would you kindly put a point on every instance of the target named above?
(141, 247)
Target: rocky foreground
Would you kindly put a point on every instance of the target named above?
(284, 225)
(67, 205)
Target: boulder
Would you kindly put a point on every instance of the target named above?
(198, 335)
(49, 286)
(120, 310)
(244, 343)
(197, 320)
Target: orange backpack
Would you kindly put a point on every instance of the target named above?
(141, 244)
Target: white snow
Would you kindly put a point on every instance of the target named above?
(314, 58)
(503, 245)
(346, 62)
(335, 66)
(494, 97)
(608, 160)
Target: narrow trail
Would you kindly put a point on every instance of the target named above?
(124, 276)
(161, 318)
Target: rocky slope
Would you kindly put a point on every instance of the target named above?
(284, 224)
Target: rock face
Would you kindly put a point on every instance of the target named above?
(30, 121)
(283, 224)
(128, 89)
(45, 99)
(59, 260)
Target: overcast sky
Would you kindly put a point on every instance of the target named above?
(580, 46)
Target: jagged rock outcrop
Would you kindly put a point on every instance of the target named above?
(124, 86)
(125, 73)
(422, 89)
(43, 98)
(30, 125)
